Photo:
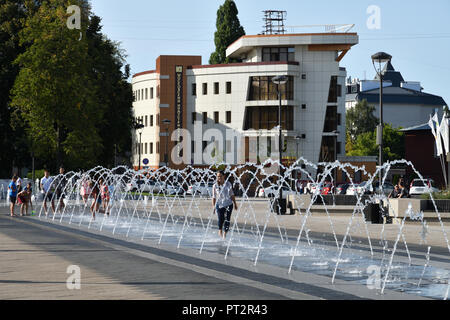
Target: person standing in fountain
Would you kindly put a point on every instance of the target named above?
(47, 186)
(60, 185)
(104, 191)
(24, 198)
(223, 200)
(12, 192)
(95, 194)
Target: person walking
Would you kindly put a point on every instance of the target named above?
(12, 193)
(223, 200)
(47, 187)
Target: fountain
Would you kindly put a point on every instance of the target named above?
(341, 247)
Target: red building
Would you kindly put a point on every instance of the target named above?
(420, 149)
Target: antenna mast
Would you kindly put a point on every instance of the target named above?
(274, 22)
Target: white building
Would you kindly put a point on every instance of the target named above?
(242, 98)
(404, 102)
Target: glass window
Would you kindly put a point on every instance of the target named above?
(229, 87)
(146, 94)
(151, 93)
(151, 147)
(333, 94)
(216, 88)
(205, 89)
(194, 89)
(205, 117)
(262, 88)
(151, 121)
(331, 120)
(266, 118)
(228, 116)
(194, 117)
(216, 117)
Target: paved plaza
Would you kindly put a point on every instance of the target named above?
(35, 255)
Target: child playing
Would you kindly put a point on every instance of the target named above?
(95, 194)
(104, 191)
(23, 198)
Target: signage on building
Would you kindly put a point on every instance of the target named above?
(145, 161)
(178, 102)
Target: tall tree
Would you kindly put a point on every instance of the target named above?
(13, 143)
(229, 29)
(53, 93)
(365, 144)
(360, 119)
(114, 93)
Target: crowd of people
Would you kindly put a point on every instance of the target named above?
(53, 188)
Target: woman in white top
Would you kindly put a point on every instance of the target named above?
(223, 200)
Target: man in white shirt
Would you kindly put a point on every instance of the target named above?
(47, 187)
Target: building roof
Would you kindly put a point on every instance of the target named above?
(420, 127)
(398, 95)
(389, 74)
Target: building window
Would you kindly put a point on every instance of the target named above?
(194, 117)
(157, 120)
(151, 147)
(266, 118)
(151, 93)
(229, 87)
(192, 147)
(303, 76)
(331, 119)
(327, 151)
(303, 106)
(278, 54)
(157, 147)
(205, 117)
(194, 89)
(262, 88)
(338, 147)
(333, 94)
(339, 119)
(228, 116)
(204, 145)
(146, 94)
(216, 117)
(216, 88)
(146, 121)
(205, 89)
(151, 121)
(146, 148)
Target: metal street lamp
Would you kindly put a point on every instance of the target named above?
(139, 127)
(167, 122)
(280, 80)
(380, 58)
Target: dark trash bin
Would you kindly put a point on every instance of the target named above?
(279, 206)
(373, 214)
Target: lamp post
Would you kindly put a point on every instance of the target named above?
(297, 140)
(167, 122)
(336, 135)
(138, 126)
(280, 80)
(380, 58)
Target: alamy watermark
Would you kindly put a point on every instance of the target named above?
(374, 20)
(74, 280)
(374, 279)
(74, 21)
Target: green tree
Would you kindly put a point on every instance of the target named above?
(113, 90)
(360, 119)
(365, 144)
(229, 29)
(53, 93)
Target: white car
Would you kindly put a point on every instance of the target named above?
(419, 187)
(145, 186)
(362, 188)
(273, 192)
(201, 188)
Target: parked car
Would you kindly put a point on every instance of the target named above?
(387, 187)
(327, 188)
(273, 192)
(341, 189)
(174, 190)
(145, 186)
(201, 188)
(419, 186)
(362, 188)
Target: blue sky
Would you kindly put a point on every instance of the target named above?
(416, 33)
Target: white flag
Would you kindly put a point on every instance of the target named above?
(444, 133)
(431, 124)
(437, 136)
